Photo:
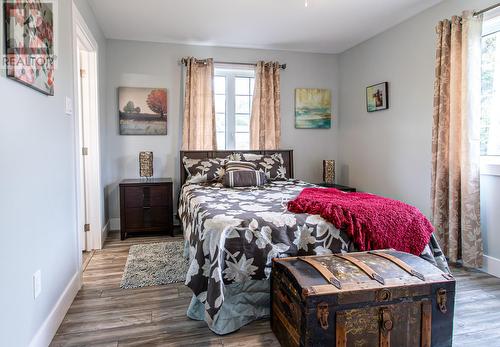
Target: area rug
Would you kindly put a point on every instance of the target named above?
(154, 264)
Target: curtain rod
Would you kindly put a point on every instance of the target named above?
(477, 13)
(184, 61)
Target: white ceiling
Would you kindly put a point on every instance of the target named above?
(326, 26)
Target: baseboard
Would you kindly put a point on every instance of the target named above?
(46, 332)
(491, 265)
(104, 233)
(114, 224)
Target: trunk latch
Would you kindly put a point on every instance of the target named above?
(322, 313)
(386, 320)
(441, 300)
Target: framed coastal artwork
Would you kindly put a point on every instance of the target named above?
(142, 111)
(377, 97)
(313, 108)
(29, 43)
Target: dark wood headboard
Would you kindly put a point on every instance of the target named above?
(286, 153)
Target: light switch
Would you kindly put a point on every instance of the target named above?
(69, 106)
(37, 284)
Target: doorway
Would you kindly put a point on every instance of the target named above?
(88, 188)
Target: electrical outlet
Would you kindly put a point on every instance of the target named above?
(37, 284)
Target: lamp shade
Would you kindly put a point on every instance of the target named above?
(329, 171)
(146, 164)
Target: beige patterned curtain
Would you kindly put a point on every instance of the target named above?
(455, 139)
(265, 123)
(199, 106)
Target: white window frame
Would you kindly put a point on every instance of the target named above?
(230, 73)
(490, 164)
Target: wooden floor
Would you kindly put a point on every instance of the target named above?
(105, 315)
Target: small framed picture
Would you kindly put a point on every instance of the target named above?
(377, 97)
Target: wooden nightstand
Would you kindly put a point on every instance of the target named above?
(146, 206)
(337, 186)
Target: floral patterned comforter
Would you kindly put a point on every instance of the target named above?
(234, 233)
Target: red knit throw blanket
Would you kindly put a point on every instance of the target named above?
(372, 222)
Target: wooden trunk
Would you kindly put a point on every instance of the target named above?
(381, 298)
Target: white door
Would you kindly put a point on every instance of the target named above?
(85, 108)
(89, 195)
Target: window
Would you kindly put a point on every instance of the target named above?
(490, 89)
(233, 106)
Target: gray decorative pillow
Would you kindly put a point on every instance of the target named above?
(235, 165)
(244, 178)
(204, 170)
(272, 165)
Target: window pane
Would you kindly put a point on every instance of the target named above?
(220, 122)
(233, 109)
(242, 122)
(220, 104)
(242, 141)
(221, 140)
(490, 94)
(242, 86)
(242, 104)
(220, 85)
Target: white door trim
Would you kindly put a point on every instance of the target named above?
(83, 35)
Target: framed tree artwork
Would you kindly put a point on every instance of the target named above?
(377, 97)
(29, 43)
(142, 111)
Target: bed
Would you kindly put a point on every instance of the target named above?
(232, 235)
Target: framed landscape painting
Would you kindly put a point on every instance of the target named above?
(313, 108)
(142, 111)
(377, 97)
(29, 43)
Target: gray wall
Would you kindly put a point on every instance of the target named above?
(37, 199)
(142, 64)
(389, 152)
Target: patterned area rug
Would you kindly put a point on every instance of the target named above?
(154, 264)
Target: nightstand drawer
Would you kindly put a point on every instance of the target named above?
(144, 217)
(160, 196)
(148, 196)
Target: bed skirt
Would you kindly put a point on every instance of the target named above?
(243, 304)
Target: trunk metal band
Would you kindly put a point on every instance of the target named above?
(362, 266)
(399, 263)
(323, 271)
